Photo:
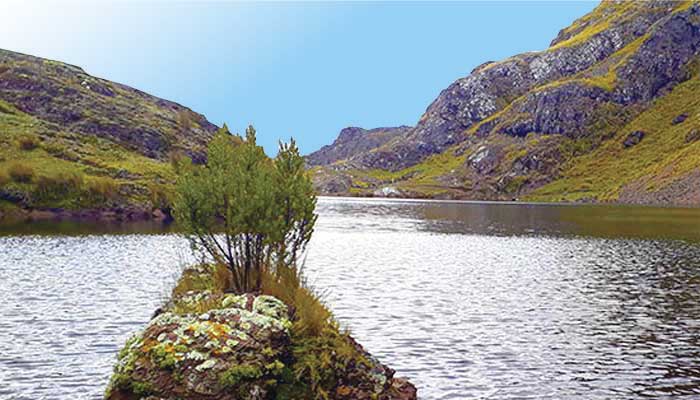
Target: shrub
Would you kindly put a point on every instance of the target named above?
(59, 150)
(102, 189)
(160, 196)
(264, 209)
(214, 278)
(21, 173)
(58, 186)
(28, 142)
(311, 316)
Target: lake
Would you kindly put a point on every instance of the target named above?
(468, 300)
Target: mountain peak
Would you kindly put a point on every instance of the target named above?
(515, 127)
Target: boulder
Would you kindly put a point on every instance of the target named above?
(387, 191)
(231, 352)
(207, 344)
(679, 119)
(633, 139)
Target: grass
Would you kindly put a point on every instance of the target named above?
(59, 169)
(662, 157)
(216, 279)
(422, 177)
(595, 22)
(321, 351)
(56, 187)
(20, 172)
(312, 317)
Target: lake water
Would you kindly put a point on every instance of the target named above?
(468, 300)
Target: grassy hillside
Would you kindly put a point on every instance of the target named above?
(74, 144)
(667, 153)
(42, 166)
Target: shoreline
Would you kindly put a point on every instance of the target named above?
(507, 202)
(119, 215)
(93, 215)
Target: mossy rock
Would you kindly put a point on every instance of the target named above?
(233, 352)
(205, 343)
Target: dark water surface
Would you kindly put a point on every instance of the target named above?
(469, 300)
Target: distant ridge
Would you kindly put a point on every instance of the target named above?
(606, 114)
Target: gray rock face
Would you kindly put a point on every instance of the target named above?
(520, 85)
(660, 62)
(352, 141)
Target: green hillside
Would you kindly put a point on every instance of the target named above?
(75, 145)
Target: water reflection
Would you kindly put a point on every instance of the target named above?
(468, 300)
(498, 218)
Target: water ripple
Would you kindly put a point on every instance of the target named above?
(465, 300)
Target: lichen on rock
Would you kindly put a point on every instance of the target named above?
(207, 344)
(190, 356)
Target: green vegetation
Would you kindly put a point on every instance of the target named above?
(114, 139)
(239, 373)
(253, 217)
(51, 168)
(421, 178)
(263, 209)
(662, 157)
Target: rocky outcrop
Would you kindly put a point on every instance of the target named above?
(69, 99)
(352, 141)
(600, 74)
(633, 139)
(206, 344)
(228, 352)
(492, 88)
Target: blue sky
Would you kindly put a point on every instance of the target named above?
(305, 70)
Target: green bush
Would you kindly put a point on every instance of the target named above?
(58, 186)
(264, 209)
(161, 196)
(28, 142)
(100, 190)
(20, 172)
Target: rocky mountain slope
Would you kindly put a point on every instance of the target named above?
(606, 113)
(70, 142)
(353, 141)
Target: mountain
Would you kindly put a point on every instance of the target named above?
(71, 142)
(352, 141)
(607, 113)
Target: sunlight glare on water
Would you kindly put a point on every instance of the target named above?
(467, 300)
